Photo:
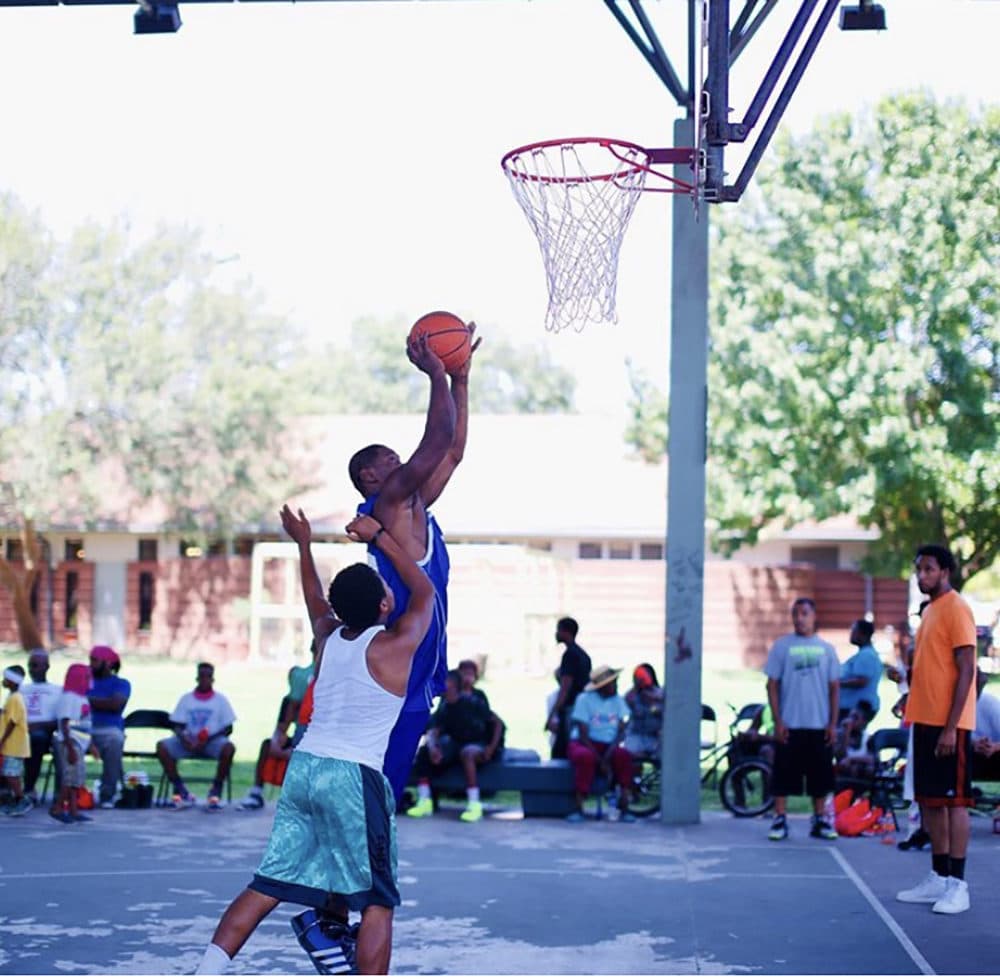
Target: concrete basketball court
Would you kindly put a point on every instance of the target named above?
(140, 892)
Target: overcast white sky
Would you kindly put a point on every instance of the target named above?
(349, 152)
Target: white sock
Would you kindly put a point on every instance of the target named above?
(473, 794)
(423, 790)
(213, 963)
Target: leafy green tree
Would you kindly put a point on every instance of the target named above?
(369, 373)
(131, 374)
(855, 338)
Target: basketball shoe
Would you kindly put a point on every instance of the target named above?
(330, 943)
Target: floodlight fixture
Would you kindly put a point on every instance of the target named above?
(157, 18)
(866, 16)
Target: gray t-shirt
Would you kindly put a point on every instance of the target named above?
(805, 666)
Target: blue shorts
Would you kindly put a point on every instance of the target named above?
(12, 767)
(334, 832)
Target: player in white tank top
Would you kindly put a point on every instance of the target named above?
(361, 679)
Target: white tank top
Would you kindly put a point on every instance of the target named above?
(352, 715)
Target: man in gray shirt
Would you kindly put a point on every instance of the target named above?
(803, 690)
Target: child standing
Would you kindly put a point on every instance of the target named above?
(72, 739)
(15, 745)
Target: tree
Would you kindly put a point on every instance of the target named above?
(369, 373)
(131, 374)
(854, 345)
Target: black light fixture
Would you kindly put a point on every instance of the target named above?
(157, 18)
(866, 16)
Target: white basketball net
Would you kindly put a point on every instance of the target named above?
(578, 198)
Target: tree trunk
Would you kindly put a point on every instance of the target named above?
(20, 583)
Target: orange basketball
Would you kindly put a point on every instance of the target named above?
(447, 336)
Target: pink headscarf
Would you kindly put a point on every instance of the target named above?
(77, 679)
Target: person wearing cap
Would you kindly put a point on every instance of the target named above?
(598, 716)
(14, 743)
(108, 695)
(40, 700)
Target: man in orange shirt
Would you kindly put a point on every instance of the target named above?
(942, 709)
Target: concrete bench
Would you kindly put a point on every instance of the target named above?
(546, 787)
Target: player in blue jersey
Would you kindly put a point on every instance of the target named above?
(397, 494)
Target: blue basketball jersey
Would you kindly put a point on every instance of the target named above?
(430, 661)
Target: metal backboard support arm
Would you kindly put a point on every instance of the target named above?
(650, 47)
(735, 192)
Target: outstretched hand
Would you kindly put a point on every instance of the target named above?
(297, 527)
(462, 373)
(422, 356)
(363, 528)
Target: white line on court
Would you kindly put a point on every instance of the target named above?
(890, 922)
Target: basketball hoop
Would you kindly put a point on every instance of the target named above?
(578, 196)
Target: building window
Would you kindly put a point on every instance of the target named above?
(190, 549)
(589, 551)
(620, 551)
(148, 549)
(73, 550)
(827, 558)
(72, 588)
(147, 592)
(650, 552)
(243, 546)
(15, 550)
(217, 548)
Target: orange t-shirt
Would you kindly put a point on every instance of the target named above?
(306, 707)
(946, 624)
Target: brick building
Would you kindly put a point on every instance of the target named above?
(548, 515)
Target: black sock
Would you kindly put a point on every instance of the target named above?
(957, 867)
(941, 864)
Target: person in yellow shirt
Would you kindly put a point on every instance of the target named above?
(942, 709)
(15, 745)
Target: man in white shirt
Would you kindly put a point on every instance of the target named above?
(203, 720)
(40, 700)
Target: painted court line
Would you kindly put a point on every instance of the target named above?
(914, 953)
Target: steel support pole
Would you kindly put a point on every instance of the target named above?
(686, 452)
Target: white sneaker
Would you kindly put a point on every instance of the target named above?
(252, 800)
(932, 888)
(956, 898)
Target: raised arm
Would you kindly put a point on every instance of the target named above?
(439, 434)
(320, 614)
(409, 629)
(435, 485)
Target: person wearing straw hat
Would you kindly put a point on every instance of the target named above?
(595, 746)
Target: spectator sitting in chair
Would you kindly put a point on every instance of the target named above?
(277, 749)
(203, 720)
(464, 729)
(860, 675)
(645, 713)
(850, 750)
(41, 699)
(108, 696)
(986, 737)
(596, 744)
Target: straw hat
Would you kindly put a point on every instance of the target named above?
(601, 677)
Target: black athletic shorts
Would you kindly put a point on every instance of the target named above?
(941, 782)
(806, 756)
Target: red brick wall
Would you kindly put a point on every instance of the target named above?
(196, 608)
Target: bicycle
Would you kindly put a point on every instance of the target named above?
(744, 787)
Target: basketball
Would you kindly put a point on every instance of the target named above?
(447, 336)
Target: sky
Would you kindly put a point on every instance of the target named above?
(345, 155)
